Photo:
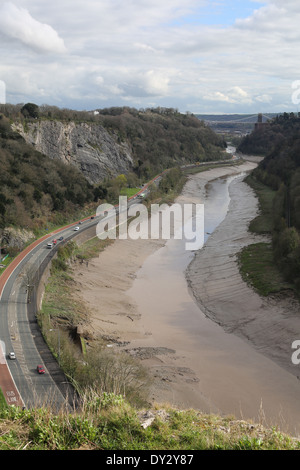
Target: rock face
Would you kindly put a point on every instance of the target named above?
(16, 238)
(88, 146)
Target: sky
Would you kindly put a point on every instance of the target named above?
(198, 56)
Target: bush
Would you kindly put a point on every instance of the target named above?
(113, 373)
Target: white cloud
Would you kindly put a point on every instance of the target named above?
(156, 83)
(17, 23)
(234, 95)
(147, 52)
(264, 98)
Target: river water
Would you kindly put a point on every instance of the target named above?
(231, 375)
(217, 203)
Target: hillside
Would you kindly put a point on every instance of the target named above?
(86, 146)
(161, 138)
(57, 164)
(35, 190)
(105, 143)
(270, 135)
(279, 141)
(106, 422)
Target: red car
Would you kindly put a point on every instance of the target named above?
(40, 369)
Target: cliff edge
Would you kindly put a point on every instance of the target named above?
(87, 146)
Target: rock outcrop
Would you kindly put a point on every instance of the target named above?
(88, 146)
(15, 238)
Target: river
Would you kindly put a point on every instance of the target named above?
(219, 371)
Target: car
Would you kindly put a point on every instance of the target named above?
(49, 245)
(80, 222)
(92, 217)
(12, 355)
(75, 229)
(60, 239)
(40, 369)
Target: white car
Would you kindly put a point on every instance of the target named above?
(75, 229)
(49, 245)
(12, 355)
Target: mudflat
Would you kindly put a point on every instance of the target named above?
(209, 341)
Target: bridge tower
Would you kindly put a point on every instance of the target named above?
(259, 122)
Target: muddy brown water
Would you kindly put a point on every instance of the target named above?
(233, 377)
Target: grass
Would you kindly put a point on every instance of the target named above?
(115, 425)
(256, 261)
(91, 248)
(3, 403)
(263, 223)
(259, 270)
(129, 191)
(59, 305)
(210, 166)
(5, 263)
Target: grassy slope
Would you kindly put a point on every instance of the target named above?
(256, 261)
(114, 425)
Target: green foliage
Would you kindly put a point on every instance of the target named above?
(162, 138)
(36, 190)
(171, 180)
(95, 403)
(258, 268)
(117, 426)
(286, 245)
(280, 172)
(264, 222)
(65, 251)
(113, 373)
(271, 135)
(170, 186)
(30, 110)
(158, 138)
(3, 403)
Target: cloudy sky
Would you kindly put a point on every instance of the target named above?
(202, 56)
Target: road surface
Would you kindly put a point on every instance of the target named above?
(19, 332)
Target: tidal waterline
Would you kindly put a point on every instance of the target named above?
(232, 376)
(217, 203)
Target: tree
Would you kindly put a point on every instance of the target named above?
(121, 181)
(30, 110)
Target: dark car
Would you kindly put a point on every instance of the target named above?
(61, 238)
(40, 369)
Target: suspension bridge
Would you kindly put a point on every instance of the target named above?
(239, 119)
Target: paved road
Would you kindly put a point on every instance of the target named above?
(19, 331)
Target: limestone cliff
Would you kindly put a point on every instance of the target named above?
(88, 146)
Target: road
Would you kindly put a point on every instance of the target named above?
(19, 332)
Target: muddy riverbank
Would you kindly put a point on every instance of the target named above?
(178, 313)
